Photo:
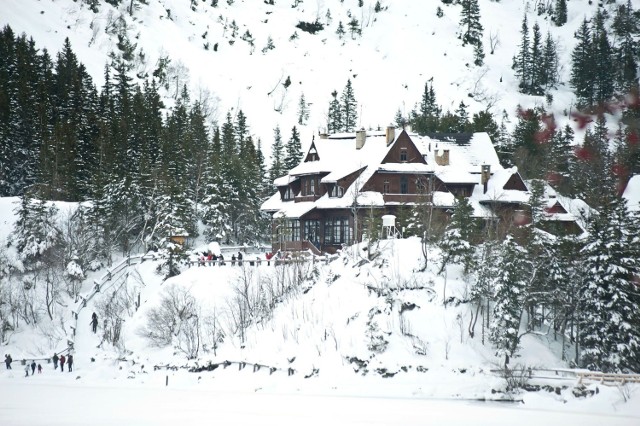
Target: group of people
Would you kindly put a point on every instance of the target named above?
(62, 360)
(33, 366)
(210, 259)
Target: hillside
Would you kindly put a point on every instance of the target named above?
(341, 328)
(400, 48)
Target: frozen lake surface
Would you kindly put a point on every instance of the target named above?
(30, 403)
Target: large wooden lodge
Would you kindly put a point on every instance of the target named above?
(343, 177)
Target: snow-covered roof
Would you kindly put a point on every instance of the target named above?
(338, 154)
(293, 210)
(632, 193)
(495, 188)
(467, 152)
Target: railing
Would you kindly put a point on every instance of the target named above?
(582, 376)
(110, 278)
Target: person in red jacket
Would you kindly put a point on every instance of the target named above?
(62, 360)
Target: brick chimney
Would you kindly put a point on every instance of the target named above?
(442, 157)
(485, 175)
(390, 134)
(361, 138)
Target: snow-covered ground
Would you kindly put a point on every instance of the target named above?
(69, 399)
(321, 332)
(401, 48)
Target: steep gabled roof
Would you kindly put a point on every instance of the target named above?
(496, 191)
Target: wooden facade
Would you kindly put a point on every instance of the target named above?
(405, 174)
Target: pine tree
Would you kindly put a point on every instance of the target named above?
(277, 158)
(509, 305)
(340, 30)
(348, 108)
(625, 27)
(335, 121)
(484, 121)
(560, 13)
(456, 244)
(522, 61)
(582, 65)
(609, 336)
(303, 111)
(534, 85)
(549, 68)
(470, 23)
(529, 151)
(602, 57)
(293, 151)
(426, 120)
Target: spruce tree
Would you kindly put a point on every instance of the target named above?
(509, 304)
(277, 158)
(582, 64)
(470, 23)
(609, 317)
(335, 121)
(560, 13)
(293, 150)
(522, 62)
(534, 85)
(602, 58)
(348, 108)
(457, 242)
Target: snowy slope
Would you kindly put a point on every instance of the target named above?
(400, 49)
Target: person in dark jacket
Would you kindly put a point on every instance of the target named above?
(62, 360)
(55, 361)
(33, 368)
(239, 258)
(39, 369)
(8, 360)
(94, 322)
(233, 259)
(70, 362)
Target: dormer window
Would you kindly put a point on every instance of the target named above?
(336, 191)
(288, 195)
(403, 155)
(309, 186)
(385, 187)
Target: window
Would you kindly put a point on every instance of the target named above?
(403, 154)
(294, 226)
(312, 186)
(385, 187)
(404, 185)
(337, 231)
(312, 231)
(288, 195)
(336, 191)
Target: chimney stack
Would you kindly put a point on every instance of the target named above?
(485, 175)
(361, 137)
(442, 157)
(390, 134)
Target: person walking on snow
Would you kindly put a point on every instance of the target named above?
(33, 368)
(7, 361)
(70, 362)
(39, 369)
(94, 322)
(62, 359)
(55, 361)
(26, 370)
